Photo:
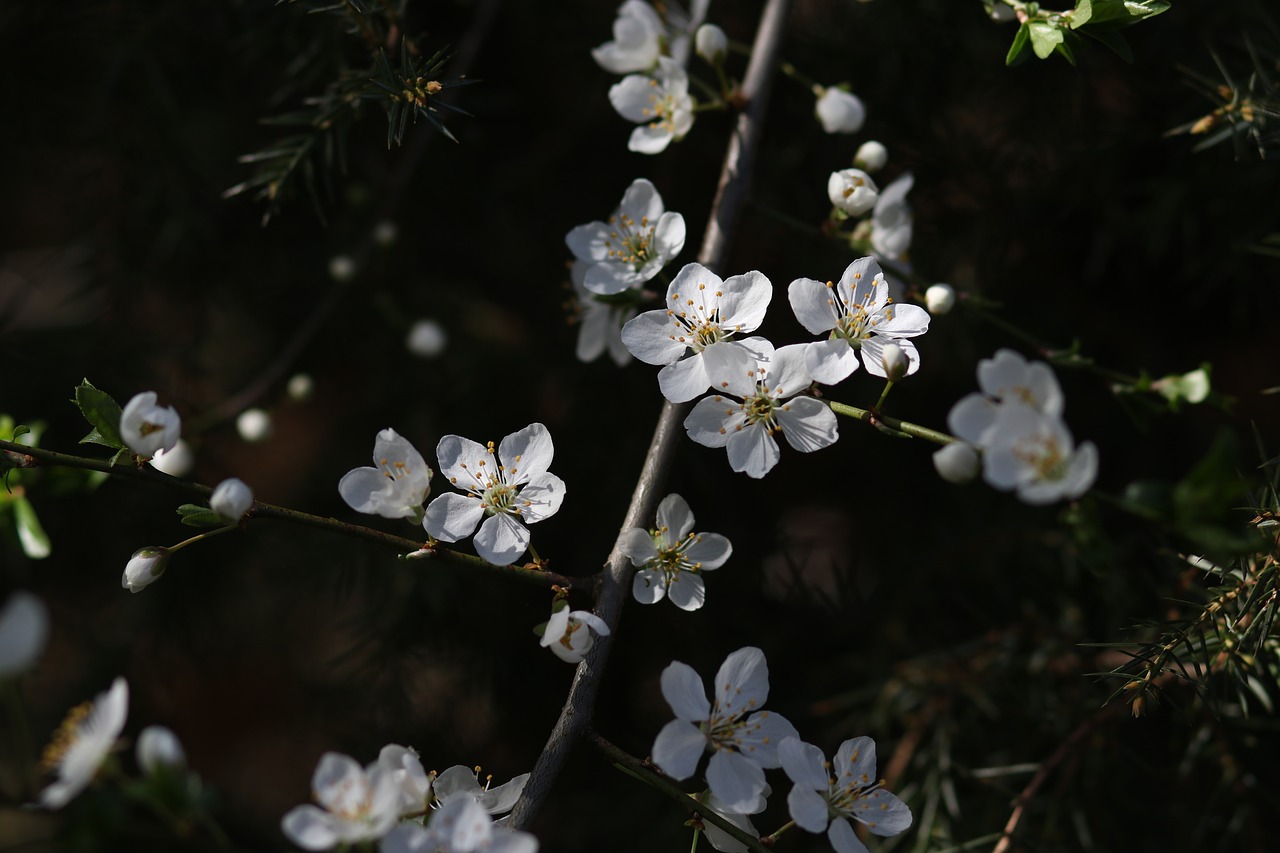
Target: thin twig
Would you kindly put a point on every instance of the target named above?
(731, 192)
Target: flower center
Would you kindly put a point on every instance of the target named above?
(634, 241)
(490, 485)
(671, 558)
(1044, 455)
(662, 106)
(698, 324)
(65, 737)
(855, 321)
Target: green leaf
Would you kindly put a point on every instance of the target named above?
(1114, 40)
(200, 516)
(1019, 44)
(1082, 14)
(1044, 38)
(102, 413)
(35, 542)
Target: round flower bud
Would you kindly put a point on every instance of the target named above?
(385, 233)
(839, 111)
(231, 499)
(254, 425)
(957, 462)
(711, 43)
(895, 362)
(342, 267)
(148, 428)
(24, 628)
(300, 386)
(871, 156)
(426, 339)
(940, 298)
(176, 462)
(159, 750)
(1002, 13)
(852, 191)
(145, 566)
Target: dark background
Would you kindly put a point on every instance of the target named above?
(946, 622)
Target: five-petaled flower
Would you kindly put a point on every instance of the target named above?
(860, 316)
(702, 311)
(82, 744)
(821, 801)
(505, 491)
(661, 105)
(360, 804)
(633, 246)
(672, 558)
(396, 487)
(743, 740)
(756, 398)
(148, 428)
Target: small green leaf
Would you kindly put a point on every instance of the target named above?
(102, 413)
(35, 542)
(1083, 12)
(19, 431)
(200, 516)
(1044, 38)
(1019, 44)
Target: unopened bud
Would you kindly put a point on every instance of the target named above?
(940, 298)
(871, 156)
(711, 43)
(839, 111)
(385, 233)
(159, 749)
(342, 267)
(427, 339)
(957, 462)
(300, 386)
(895, 362)
(145, 567)
(254, 425)
(231, 499)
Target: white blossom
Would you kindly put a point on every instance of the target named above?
(871, 156)
(637, 40)
(398, 484)
(672, 558)
(661, 105)
(825, 795)
(459, 826)
(177, 461)
(757, 398)
(957, 462)
(742, 738)
(148, 428)
(859, 316)
(231, 499)
(891, 221)
(356, 805)
(82, 744)
(570, 634)
(839, 111)
(701, 311)
(633, 246)
(852, 191)
(711, 43)
(145, 567)
(463, 782)
(505, 492)
(24, 629)
(940, 298)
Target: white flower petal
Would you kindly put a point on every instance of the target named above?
(808, 808)
(649, 586)
(713, 419)
(452, 516)
(808, 424)
(460, 459)
(687, 591)
(683, 380)
(811, 303)
(675, 519)
(501, 539)
(831, 361)
(310, 828)
(526, 453)
(648, 337)
(742, 682)
(541, 498)
(843, 839)
(638, 545)
(805, 765)
(883, 813)
(709, 551)
(677, 749)
(753, 451)
(736, 781)
(684, 692)
(745, 301)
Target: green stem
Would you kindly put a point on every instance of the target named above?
(803, 79)
(871, 416)
(34, 457)
(644, 771)
(773, 838)
(883, 395)
(199, 536)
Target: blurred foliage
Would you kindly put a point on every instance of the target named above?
(956, 626)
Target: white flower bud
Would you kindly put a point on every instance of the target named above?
(426, 339)
(254, 425)
(342, 267)
(839, 111)
(711, 43)
(957, 462)
(1002, 13)
(24, 628)
(159, 749)
(386, 233)
(176, 462)
(148, 428)
(940, 298)
(895, 362)
(300, 387)
(231, 499)
(145, 566)
(871, 156)
(852, 191)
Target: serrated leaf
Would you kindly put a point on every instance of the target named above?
(35, 542)
(1044, 38)
(1019, 44)
(200, 516)
(102, 413)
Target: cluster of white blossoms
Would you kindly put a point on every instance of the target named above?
(396, 801)
(1016, 422)
(745, 740)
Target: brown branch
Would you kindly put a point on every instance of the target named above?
(731, 192)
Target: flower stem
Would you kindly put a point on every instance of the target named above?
(194, 539)
(883, 395)
(873, 417)
(773, 838)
